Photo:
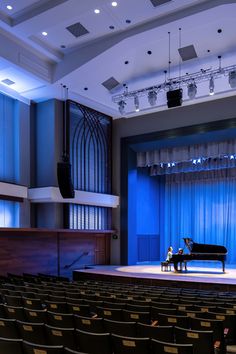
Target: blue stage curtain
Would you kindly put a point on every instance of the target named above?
(200, 205)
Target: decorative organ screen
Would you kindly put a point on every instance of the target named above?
(90, 157)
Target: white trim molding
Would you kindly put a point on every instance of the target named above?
(53, 195)
(13, 190)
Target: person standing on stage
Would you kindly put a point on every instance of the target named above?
(169, 254)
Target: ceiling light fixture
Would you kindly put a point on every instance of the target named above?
(97, 11)
(114, 3)
(121, 107)
(211, 86)
(44, 33)
(9, 7)
(152, 98)
(232, 78)
(136, 103)
(192, 90)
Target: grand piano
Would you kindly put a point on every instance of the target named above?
(201, 252)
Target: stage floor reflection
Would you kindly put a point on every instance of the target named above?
(204, 272)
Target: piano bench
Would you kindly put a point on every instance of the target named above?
(165, 266)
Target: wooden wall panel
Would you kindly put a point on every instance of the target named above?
(56, 252)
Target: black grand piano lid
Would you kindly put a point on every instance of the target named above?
(203, 248)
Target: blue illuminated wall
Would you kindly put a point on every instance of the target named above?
(148, 217)
(9, 158)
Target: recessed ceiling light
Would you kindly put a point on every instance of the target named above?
(114, 3)
(149, 52)
(63, 46)
(97, 11)
(128, 21)
(44, 33)
(9, 7)
(85, 88)
(126, 62)
(111, 27)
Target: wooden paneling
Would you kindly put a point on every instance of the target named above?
(55, 252)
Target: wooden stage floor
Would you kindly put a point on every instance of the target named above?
(201, 275)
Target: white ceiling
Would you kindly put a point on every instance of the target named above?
(40, 64)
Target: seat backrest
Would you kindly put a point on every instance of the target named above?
(173, 320)
(89, 324)
(216, 326)
(202, 340)
(128, 345)
(119, 327)
(32, 332)
(61, 336)
(32, 348)
(61, 320)
(143, 317)
(93, 343)
(8, 329)
(11, 346)
(159, 347)
(110, 313)
(164, 333)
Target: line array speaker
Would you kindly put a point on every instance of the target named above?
(64, 180)
(174, 98)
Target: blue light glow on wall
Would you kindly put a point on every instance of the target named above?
(9, 214)
(9, 157)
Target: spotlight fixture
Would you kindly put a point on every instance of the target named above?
(136, 103)
(44, 33)
(121, 107)
(9, 7)
(114, 3)
(232, 78)
(192, 90)
(97, 11)
(152, 98)
(211, 86)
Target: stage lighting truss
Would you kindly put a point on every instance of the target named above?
(189, 80)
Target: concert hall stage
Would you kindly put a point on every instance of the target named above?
(200, 275)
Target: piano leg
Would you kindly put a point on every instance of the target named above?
(223, 266)
(176, 266)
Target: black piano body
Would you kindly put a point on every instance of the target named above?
(201, 252)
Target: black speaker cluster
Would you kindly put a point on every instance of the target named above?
(174, 98)
(64, 180)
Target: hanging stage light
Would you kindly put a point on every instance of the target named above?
(232, 79)
(211, 86)
(192, 90)
(136, 103)
(121, 106)
(152, 97)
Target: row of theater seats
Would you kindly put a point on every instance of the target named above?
(125, 318)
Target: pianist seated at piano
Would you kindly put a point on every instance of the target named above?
(199, 251)
(169, 254)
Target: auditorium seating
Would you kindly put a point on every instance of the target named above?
(60, 314)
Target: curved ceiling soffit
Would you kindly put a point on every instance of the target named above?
(83, 54)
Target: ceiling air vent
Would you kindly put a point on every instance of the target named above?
(187, 53)
(8, 82)
(156, 3)
(77, 30)
(110, 83)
